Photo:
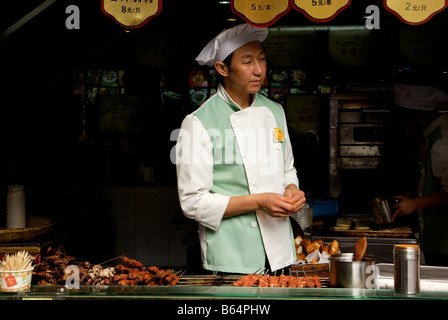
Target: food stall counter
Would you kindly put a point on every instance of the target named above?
(213, 293)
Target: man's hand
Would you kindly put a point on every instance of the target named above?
(405, 206)
(295, 196)
(277, 205)
(273, 204)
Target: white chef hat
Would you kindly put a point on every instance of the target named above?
(228, 41)
(419, 97)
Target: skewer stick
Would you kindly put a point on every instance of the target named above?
(16, 262)
(123, 255)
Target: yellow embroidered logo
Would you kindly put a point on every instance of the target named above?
(278, 134)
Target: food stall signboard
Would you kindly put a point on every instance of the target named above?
(320, 10)
(415, 12)
(131, 14)
(260, 13)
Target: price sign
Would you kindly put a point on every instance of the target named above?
(131, 14)
(415, 12)
(260, 13)
(320, 10)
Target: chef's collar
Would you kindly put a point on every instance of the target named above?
(437, 122)
(221, 91)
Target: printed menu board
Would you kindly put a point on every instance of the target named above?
(421, 46)
(290, 48)
(355, 48)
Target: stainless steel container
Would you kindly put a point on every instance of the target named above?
(347, 273)
(15, 207)
(407, 269)
(383, 209)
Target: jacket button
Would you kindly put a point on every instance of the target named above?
(253, 224)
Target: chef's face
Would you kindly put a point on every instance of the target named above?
(247, 69)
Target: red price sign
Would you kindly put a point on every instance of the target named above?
(260, 13)
(320, 10)
(415, 12)
(131, 14)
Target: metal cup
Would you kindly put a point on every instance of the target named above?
(347, 273)
(383, 209)
(15, 207)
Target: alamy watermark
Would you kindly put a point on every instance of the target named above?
(73, 20)
(373, 21)
(73, 279)
(372, 280)
(257, 147)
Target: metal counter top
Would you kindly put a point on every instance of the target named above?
(433, 284)
(431, 278)
(214, 292)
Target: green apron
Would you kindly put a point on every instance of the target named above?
(237, 245)
(435, 219)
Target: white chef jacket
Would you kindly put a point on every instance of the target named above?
(224, 151)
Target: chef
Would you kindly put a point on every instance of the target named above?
(235, 164)
(432, 203)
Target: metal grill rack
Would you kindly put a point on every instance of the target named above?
(228, 280)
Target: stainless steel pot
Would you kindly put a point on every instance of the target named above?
(383, 209)
(347, 273)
